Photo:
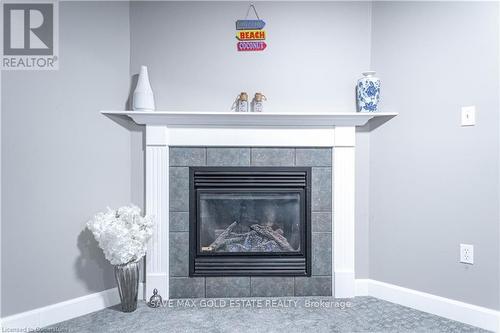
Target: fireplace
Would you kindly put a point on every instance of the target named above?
(176, 141)
(250, 221)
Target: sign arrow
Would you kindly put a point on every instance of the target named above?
(251, 34)
(250, 24)
(251, 46)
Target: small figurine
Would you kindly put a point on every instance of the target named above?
(258, 102)
(242, 102)
(155, 301)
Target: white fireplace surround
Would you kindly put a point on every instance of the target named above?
(225, 129)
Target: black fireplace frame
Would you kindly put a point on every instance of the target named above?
(255, 179)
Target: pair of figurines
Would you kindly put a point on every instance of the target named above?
(257, 104)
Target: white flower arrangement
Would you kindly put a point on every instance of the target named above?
(122, 234)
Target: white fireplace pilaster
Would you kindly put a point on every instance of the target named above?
(343, 188)
(157, 205)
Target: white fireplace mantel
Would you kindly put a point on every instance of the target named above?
(176, 118)
(335, 130)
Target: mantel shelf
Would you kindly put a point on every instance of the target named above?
(250, 119)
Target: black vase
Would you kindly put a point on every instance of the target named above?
(127, 279)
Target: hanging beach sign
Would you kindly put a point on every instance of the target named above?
(251, 46)
(251, 34)
(250, 24)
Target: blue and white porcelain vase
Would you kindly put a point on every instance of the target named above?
(368, 92)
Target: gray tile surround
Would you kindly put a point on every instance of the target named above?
(321, 221)
(273, 156)
(321, 253)
(237, 286)
(319, 284)
(179, 221)
(184, 287)
(179, 189)
(313, 157)
(179, 253)
(187, 156)
(228, 156)
(313, 286)
(272, 286)
(321, 189)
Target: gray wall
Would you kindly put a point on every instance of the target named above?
(190, 49)
(434, 184)
(62, 161)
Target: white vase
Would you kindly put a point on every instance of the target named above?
(143, 99)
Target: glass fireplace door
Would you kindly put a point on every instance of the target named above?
(249, 221)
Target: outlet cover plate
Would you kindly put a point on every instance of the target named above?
(467, 254)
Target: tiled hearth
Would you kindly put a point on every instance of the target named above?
(319, 284)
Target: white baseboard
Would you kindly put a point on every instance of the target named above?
(56, 313)
(361, 287)
(463, 312)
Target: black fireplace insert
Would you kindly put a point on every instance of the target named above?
(250, 221)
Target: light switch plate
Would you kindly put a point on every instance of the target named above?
(469, 115)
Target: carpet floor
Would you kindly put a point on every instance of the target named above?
(269, 315)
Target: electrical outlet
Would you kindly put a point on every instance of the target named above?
(467, 254)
